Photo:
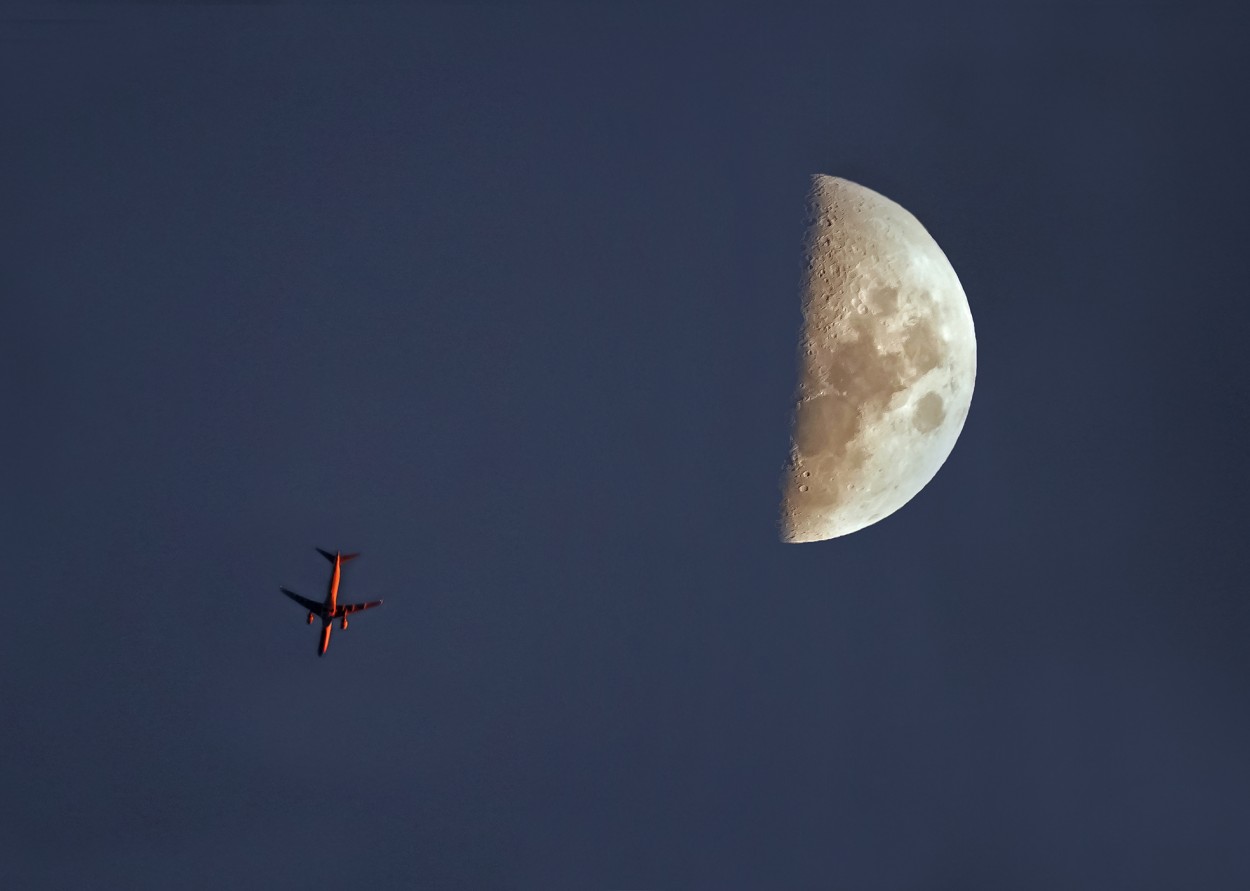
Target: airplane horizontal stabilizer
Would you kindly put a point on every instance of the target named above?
(342, 558)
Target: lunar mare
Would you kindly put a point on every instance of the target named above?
(887, 363)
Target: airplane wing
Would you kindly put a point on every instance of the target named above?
(307, 604)
(357, 607)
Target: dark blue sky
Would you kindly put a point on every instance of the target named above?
(507, 300)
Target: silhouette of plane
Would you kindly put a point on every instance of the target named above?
(330, 610)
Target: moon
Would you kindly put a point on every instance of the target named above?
(887, 362)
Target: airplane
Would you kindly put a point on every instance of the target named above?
(330, 610)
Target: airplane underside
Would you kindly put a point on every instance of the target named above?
(330, 609)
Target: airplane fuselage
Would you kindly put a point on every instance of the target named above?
(331, 607)
(332, 596)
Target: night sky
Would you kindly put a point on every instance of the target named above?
(508, 299)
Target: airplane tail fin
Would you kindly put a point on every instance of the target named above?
(344, 557)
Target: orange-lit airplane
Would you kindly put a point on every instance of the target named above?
(330, 610)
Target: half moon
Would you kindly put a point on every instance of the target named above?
(887, 363)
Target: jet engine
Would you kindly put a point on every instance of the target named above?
(345, 623)
(310, 618)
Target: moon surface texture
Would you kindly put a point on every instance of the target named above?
(887, 362)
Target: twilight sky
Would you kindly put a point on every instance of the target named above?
(507, 300)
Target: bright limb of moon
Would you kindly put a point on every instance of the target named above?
(887, 364)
